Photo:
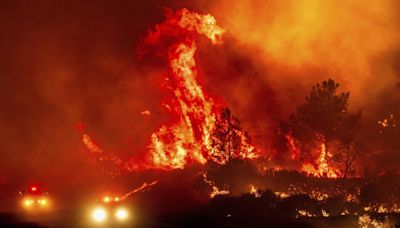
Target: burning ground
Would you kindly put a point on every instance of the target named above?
(212, 93)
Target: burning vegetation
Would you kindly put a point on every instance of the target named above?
(235, 110)
(313, 169)
(198, 133)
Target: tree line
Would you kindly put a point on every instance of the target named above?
(322, 118)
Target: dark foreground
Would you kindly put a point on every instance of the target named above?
(173, 202)
(192, 219)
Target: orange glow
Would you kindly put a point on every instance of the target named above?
(294, 151)
(143, 187)
(323, 168)
(109, 199)
(33, 203)
(90, 145)
(341, 37)
(106, 199)
(187, 139)
(254, 191)
(43, 202)
(28, 202)
(214, 188)
(145, 113)
(391, 122)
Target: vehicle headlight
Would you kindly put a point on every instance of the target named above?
(106, 199)
(28, 202)
(121, 214)
(99, 215)
(43, 202)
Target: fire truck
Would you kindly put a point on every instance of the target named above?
(34, 199)
(110, 210)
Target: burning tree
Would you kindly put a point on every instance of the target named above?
(228, 140)
(323, 121)
(230, 153)
(187, 138)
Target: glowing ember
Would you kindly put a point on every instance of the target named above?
(304, 213)
(215, 190)
(282, 195)
(254, 191)
(389, 122)
(145, 113)
(324, 213)
(90, 145)
(143, 187)
(366, 221)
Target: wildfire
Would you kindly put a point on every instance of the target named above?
(366, 221)
(282, 195)
(215, 190)
(188, 138)
(304, 213)
(143, 187)
(322, 168)
(294, 151)
(254, 191)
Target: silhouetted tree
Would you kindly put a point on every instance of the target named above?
(228, 140)
(324, 118)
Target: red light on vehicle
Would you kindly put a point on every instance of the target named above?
(33, 189)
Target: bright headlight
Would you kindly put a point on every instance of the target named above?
(43, 202)
(99, 215)
(28, 202)
(121, 214)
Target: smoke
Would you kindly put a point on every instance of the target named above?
(63, 63)
(298, 43)
(66, 62)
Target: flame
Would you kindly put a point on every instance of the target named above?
(325, 213)
(143, 187)
(145, 113)
(91, 145)
(188, 139)
(294, 151)
(215, 190)
(366, 221)
(304, 213)
(254, 191)
(323, 168)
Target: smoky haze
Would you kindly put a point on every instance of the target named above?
(62, 63)
(278, 49)
(65, 62)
